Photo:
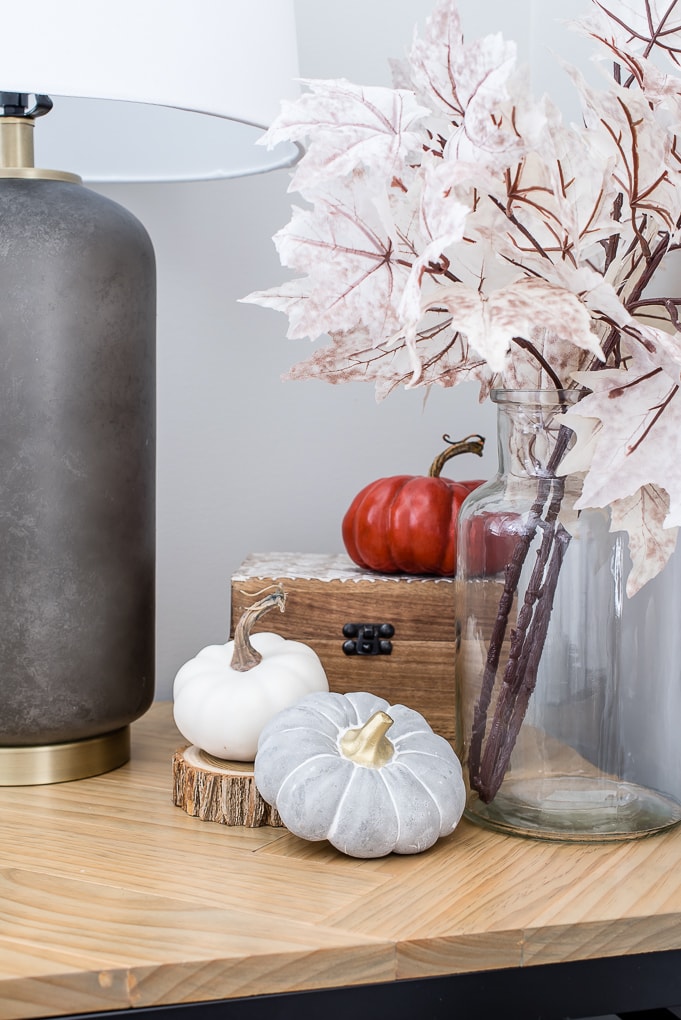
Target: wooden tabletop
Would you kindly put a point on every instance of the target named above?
(111, 897)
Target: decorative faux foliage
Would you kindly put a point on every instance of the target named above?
(454, 228)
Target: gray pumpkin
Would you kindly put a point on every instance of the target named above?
(332, 772)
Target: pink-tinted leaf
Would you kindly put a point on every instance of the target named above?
(642, 515)
(632, 30)
(348, 126)
(435, 62)
(477, 89)
(630, 133)
(289, 298)
(638, 435)
(562, 197)
(491, 322)
(444, 357)
(659, 86)
(353, 262)
(659, 348)
(526, 367)
(442, 221)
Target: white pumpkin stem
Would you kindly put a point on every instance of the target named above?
(369, 745)
(245, 656)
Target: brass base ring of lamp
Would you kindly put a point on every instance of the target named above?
(61, 763)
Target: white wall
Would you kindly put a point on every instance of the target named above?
(245, 461)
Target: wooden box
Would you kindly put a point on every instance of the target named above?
(325, 593)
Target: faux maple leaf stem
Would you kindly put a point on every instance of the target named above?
(521, 675)
(488, 759)
(520, 226)
(659, 410)
(496, 640)
(527, 345)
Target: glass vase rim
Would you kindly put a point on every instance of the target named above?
(539, 397)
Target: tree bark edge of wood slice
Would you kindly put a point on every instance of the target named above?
(216, 791)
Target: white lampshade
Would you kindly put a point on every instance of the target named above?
(156, 90)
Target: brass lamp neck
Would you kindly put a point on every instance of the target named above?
(16, 152)
(16, 142)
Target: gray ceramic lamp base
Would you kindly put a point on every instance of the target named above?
(61, 763)
(77, 452)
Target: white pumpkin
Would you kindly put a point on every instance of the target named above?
(331, 771)
(226, 694)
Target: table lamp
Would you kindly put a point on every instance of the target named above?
(127, 91)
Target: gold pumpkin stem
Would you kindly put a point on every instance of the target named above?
(369, 745)
(245, 656)
(471, 444)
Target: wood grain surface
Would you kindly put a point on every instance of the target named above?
(112, 897)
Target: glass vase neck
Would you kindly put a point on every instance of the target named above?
(533, 436)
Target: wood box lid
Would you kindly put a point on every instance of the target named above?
(326, 591)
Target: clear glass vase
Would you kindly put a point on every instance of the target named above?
(567, 690)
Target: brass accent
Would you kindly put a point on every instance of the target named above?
(61, 763)
(16, 153)
(226, 765)
(16, 141)
(369, 745)
(36, 174)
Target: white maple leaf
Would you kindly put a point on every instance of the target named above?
(642, 515)
(444, 357)
(597, 294)
(633, 29)
(492, 321)
(498, 133)
(623, 429)
(638, 434)
(570, 167)
(355, 357)
(658, 348)
(435, 59)
(625, 128)
(476, 88)
(557, 204)
(659, 86)
(442, 221)
(354, 264)
(545, 362)
(291, 298)
(580, 454)
(348, 126)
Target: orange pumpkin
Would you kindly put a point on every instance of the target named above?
(407, 523)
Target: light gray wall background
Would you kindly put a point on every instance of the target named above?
(246, 462)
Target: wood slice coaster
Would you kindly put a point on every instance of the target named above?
(219, 791)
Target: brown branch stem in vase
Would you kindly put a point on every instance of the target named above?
(489, 758)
